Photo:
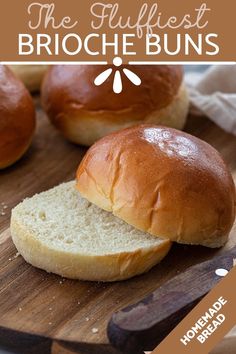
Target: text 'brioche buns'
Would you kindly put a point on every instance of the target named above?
(85, 113)
(162, 181)
(17, 118)
(61, 232)
(31, 75)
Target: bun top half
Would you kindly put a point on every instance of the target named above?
(17, 118)
(162, 181)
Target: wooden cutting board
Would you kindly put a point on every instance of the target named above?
(40, 310)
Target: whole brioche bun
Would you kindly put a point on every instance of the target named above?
(162, 181)
(17, 118)
(31, 75)
(85, 113)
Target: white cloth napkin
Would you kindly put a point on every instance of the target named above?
(214, 94)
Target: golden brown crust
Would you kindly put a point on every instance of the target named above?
(72, 100)
(17, 118)
(161, 181)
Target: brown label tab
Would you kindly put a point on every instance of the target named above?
(99, 31)
(208, 323)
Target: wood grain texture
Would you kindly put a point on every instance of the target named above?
(32, 301)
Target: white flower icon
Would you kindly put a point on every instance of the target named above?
(117, 83)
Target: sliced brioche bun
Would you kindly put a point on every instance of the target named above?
(61, 232)
(161, 181)
(31, 75)
(17, 118)
(85, 113)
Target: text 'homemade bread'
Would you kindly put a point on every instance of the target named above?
(61, 232)
(161, 181)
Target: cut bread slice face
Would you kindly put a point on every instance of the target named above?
(63, 233)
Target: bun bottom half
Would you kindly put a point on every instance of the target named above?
(62, 233)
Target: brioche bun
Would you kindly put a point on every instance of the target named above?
(85, 113)
(161, 181)
(17, 118)
(31, 75)
(62, 233)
